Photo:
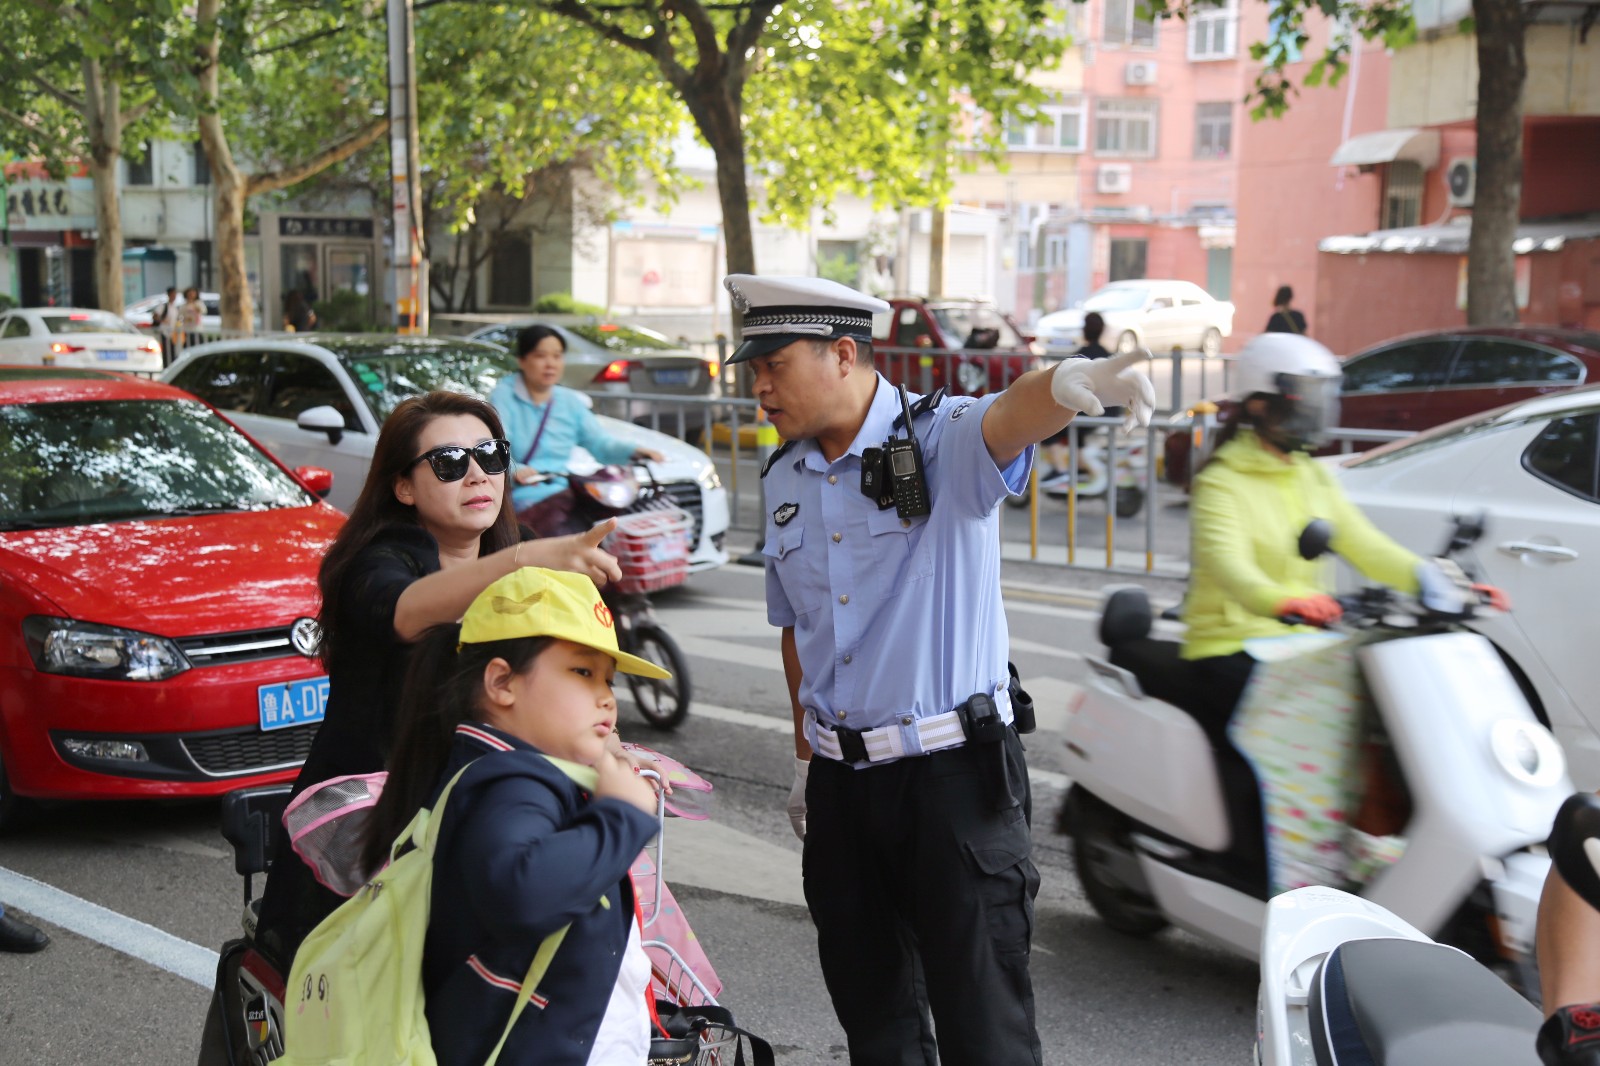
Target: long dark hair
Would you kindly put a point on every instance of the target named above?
(377, 506)
(443, 688)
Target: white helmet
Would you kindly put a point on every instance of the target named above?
(1303, 373)
(1265, 360)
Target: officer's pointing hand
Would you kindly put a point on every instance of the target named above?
(1091, 385)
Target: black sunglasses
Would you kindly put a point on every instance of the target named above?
(450, 461)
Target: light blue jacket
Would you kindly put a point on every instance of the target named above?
(571, 424)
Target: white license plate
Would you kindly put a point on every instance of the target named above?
(113, 355)
(678, 378)
(291, 703)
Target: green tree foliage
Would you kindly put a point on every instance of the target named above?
(819, 99)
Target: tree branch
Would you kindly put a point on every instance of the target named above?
(76, 103)
(574, 10)
(337, 152)
(705, 37)
(35, 130)
(744, 35)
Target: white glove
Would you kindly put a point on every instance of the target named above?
(1092, 385)
(797, 797)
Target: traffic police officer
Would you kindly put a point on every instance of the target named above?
(911, 791)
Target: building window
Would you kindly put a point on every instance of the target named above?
(1059, 128)
(1024, 251)
(1125, 128)
(202, 165)
(1064, 19)
(141, 171)
(1402, 195)
(1055, 249)
(201, 250)
(1128, 22)
(1128, 258)
(1213, 130)
(511, 270)
(1214, 31)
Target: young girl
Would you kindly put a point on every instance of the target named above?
(523, 683)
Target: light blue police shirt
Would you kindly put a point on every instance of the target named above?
(571, 425)
(893, 619)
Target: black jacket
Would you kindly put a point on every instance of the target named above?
(523, 851)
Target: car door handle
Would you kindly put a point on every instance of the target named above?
(1554, 552)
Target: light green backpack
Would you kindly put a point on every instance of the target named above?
(354, 996)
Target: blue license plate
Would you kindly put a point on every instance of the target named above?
(113, 355)
(678, 378)
(291, 703)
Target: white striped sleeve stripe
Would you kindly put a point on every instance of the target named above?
(483, 737)
(505, 982)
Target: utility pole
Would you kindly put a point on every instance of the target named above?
(410, 260)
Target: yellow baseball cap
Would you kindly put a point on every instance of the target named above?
(535, 602)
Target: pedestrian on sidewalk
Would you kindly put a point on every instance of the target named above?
(911, 791)
(1285, 319)
(164, 320)
(18, 936)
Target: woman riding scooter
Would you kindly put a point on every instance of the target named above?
(1249, 503)
(544, 421)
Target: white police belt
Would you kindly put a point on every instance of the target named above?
(935, 733)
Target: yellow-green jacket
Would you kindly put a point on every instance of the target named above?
(1245, 516)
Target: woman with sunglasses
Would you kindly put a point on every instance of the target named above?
(432, 528)
(544, 422)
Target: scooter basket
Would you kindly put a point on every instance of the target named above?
(652, 549)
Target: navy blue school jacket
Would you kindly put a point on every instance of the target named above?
(523, 851)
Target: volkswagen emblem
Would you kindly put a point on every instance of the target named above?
(306, 636)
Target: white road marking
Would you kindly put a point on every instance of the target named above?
(117, 931)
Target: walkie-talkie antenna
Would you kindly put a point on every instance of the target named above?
(905, 413)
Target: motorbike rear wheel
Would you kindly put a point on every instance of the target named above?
(1099, 844)
(1130, 500)
(664, 704)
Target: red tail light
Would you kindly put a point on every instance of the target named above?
(618, 370)
(149, 346)
(62, 349)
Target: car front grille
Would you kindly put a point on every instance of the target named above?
(683, 494)
(222, 648)
(250, 750)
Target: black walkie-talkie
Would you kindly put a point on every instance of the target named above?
(902, 459)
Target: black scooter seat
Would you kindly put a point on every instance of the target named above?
(1395, 1002)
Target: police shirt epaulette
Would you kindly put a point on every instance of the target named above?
(785, 446)
(923, 405)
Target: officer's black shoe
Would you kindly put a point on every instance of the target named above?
(18, 936)
(1571, 1036)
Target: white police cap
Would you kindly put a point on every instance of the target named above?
(779, 311)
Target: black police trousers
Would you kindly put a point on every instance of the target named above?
(910, 862)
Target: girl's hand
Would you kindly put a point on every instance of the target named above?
(580, 553)
(619, 781)
(641, 455)
(529, 476)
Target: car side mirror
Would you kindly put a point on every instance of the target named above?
(1316, 540)
(324, 419)
(318, 479)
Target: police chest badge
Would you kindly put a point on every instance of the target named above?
(959, 410)
(785, 512)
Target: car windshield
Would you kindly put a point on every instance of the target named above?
(114, 460)
(975, 326)
(623, 339)
(386, 375)
(1118, 298)
(85, 322)
(1438, 437)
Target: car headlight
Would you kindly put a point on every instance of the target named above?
(107, 653)
(618, 495)
(708, 478)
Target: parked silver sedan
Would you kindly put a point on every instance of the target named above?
(319, 400)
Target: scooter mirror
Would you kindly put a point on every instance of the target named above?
(1316, 539)
(1575, 845)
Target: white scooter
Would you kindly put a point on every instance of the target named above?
(1150, 826)
(1344, 981)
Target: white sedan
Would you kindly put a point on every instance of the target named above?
(1158, 315)
(319, 400)
(1533, 468)
(75, 337)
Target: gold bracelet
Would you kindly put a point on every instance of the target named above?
(515, 553)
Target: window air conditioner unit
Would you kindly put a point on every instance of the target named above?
(1113, 178)
(1141, 72)
(1461, 178)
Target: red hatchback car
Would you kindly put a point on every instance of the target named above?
(965, 345)
(157, 595)
(1426, 379)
